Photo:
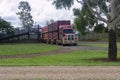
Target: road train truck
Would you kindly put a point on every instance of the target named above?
(59, 32)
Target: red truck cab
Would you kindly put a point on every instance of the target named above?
(67, 35)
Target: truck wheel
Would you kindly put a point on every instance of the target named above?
(75, 44)
(63, 44)
(57, 43)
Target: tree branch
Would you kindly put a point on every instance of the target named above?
(80, 2)
(95, 13)
(101, 9)
(115, 16)
(115, 19)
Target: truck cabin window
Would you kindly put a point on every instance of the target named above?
(68, 31)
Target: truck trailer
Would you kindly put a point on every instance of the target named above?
(59, 32)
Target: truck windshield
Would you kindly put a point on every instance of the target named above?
(68, 31)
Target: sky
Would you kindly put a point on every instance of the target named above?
(42, 11)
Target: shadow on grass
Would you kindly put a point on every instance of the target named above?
(102, 60)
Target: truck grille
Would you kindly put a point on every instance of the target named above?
(70, 37)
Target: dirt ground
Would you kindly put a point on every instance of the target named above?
(59, 72)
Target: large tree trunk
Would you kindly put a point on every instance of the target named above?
(112, 52)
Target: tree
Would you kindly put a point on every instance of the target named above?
(6, 27)
(49, 21)
(25, 15)
(100, 28)
(107, 11)
(84, 20)
(80, 23)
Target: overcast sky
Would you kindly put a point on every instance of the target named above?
(42, 10)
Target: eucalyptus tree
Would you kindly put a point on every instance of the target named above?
(80, 24)
(107, 11)
(24, 14)
(84, 20)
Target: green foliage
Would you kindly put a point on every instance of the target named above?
(100, 28)
(6, 27)
(12, 49)
(4, 24)
(59, 4)
(24, 14)
(100, 3)
(76, 11)
(80, 24)
(24, 6)
(84, 20)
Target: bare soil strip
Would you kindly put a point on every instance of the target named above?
(60, 73)
(61, 50)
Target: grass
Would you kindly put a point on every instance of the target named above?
(12, 49)
(76, 58)
(104, 45)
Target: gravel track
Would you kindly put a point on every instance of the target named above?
(60, 73)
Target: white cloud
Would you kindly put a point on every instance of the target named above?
(42, 10)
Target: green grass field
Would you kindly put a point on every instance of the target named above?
(76, 58)
(104, 45)
(11, 49)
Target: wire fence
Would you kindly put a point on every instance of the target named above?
(33, 33)
(96, 37)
